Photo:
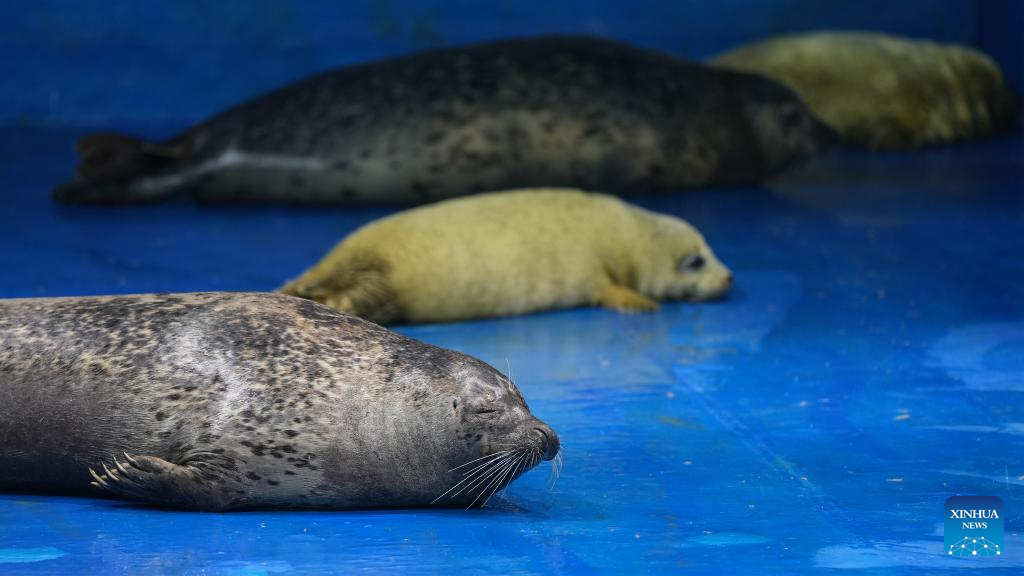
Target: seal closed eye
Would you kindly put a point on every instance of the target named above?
(222, 401)
(515, 252)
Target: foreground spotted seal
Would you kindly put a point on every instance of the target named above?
(511, 253)
(881, 91)
(219, 401)
(559, 111)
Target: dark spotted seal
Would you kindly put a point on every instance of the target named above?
(560, 111)
(220, 401)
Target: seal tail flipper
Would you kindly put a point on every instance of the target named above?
(109, 165)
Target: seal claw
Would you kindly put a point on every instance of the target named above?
(99, 480)
(110, 473)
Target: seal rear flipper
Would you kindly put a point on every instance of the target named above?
(116, 157)
(77, 192)
(157, 481)
(110, 166)
(359, 286)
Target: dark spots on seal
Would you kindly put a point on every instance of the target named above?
(160, 416)
(273, 482)
(291, 433)
(173, 397)
(94, 368)
(455, 404)
(419, 189)
(289, 473)
(252, 475)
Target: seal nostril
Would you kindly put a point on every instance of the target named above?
(551, 443)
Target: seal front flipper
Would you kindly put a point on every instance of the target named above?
(623, 299)
(157, 481)
(113, 167)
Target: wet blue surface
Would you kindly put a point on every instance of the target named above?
(869, 364)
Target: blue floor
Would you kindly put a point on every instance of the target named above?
(869, 364)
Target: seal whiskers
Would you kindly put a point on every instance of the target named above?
(475, 471)
(556, 469)
(504, 483)
(496, 482)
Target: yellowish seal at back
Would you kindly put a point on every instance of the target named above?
(508, 253)
(881, 91)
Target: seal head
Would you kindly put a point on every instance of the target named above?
(684, 268)
(499, 439)
(783, 127)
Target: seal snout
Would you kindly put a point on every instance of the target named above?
(549, 441)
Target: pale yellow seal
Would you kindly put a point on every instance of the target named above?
(881, 91)
(515, 252)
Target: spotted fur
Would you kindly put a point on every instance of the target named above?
(558, 111)
(219, 401)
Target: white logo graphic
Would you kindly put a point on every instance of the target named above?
(974, 547)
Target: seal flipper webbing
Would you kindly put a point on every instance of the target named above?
(157, 481)
(109, 165)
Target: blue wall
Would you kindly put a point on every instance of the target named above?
(171, 62)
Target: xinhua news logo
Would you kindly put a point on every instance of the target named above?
(974, 526)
